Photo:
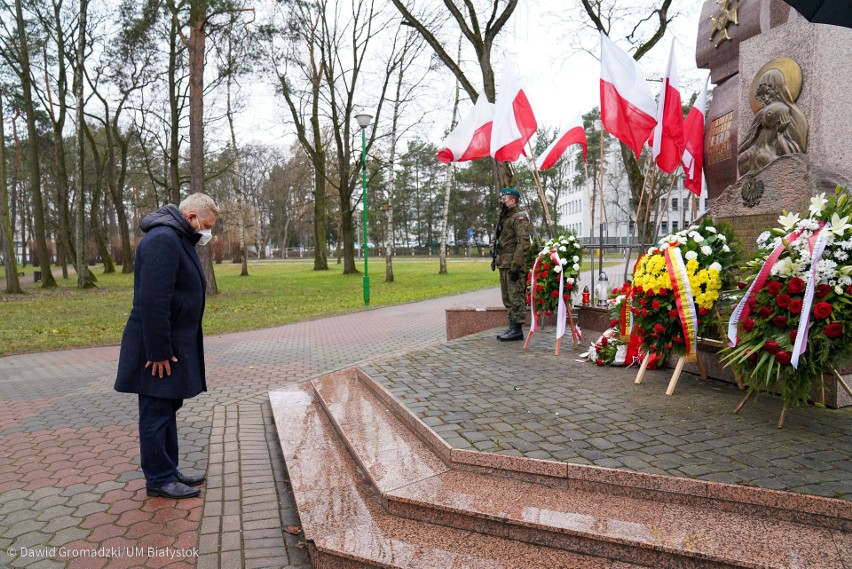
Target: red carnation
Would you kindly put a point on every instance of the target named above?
(783, 300)
(564, 297)
(639, 290)
(659, 328)
(672, 313)
(765, 312)
(649, 293)
(822, 290)
(554, 294)
(795, 306)
(780, 322)
(547, 312)
(599, 362)
(604, 341)
(644, 313)
(834, 330)
(668, 346)
(545, 266)
(748, 324)
(663, 292)
(772, 347)
(822, 310)
(655, 304)
(741, 285)
(751, 357)
(568, 286)
(849, 290)
(703, 311)
(540, 300)
(774, 287)
(751, 302)
(654, 335)
(642, 301)
(796, 286)
(613, 323)
(677, 340)
(539, 288)
(783, 357)
(615, 292)
(793, 335)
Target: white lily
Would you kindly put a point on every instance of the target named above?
(716, 266)
(706, 250)
(690, 255)
(817, 204)
(839, 225)
(788, 221)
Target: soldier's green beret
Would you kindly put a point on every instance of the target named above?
(511, 192)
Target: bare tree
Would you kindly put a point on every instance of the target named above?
(84, 278)
(15, 51)
(481, 39)
(10, 264)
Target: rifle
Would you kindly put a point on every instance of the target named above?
(497, 231)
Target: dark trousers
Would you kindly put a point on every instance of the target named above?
(158, 440)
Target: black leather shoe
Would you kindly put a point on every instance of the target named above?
(176, 490)
(514, 334)
(190, 480)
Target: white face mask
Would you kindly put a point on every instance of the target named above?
(206, 235)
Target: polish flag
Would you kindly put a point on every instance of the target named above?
(668, 134)
(471, 139)
(572, 133)
(627, 107)
(693, 152)
(514, 122)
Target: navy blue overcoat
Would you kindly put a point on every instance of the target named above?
(168, 305)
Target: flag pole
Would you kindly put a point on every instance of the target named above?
(540, 189)
(666, 206)
(635, 229)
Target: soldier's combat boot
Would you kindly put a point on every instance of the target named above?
(515, 332)
(507, 331)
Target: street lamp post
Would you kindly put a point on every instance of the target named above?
(364, 120)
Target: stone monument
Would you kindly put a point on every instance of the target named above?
(779, 126)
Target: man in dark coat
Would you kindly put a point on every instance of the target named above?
(513, 240)
(162, 352)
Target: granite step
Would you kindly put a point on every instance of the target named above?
(426, 483)
(346, 525)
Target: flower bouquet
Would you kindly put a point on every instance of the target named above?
(552, 278)
(791, 324)
(615, 347)
(676, 287)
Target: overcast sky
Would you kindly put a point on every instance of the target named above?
(555, 57)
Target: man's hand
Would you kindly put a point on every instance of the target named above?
(514, 275)
(159, 367)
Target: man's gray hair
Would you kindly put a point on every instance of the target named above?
(202, 204)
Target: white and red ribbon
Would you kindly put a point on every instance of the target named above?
(816, 245)
(742, 310)
(562, 310)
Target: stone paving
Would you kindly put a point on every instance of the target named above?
(479, 394)
(72, 493)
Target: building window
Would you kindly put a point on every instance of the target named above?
(664, 227)
(674, 204)
(674, 226)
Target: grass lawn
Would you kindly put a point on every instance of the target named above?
(274, 293)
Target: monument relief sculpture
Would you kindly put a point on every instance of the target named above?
(779, 126)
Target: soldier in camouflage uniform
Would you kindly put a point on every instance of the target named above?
(513, 240)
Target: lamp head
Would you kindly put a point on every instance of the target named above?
(364, 119)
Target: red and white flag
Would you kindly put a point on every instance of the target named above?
(627, 107)
(668, 134)
(514, 121)
(471, 139)
(693, 152)
(572, 133)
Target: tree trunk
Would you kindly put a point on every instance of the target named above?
(47, 280)
(197, 39)
(84, 278)
(173, 166)
(13, 285)
(235, 178)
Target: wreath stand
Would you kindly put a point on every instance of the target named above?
(540, 317)
(675, 376)
(786, 406)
